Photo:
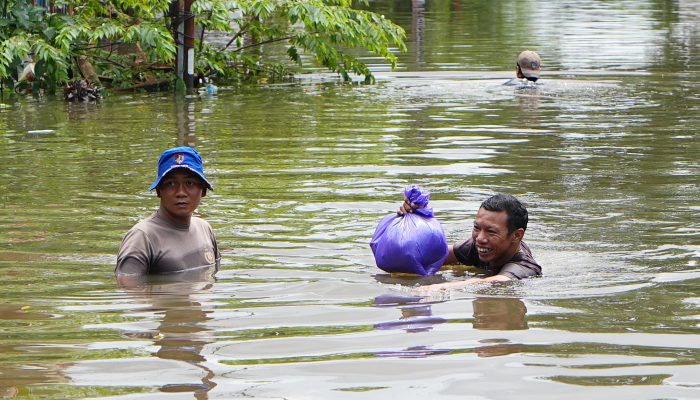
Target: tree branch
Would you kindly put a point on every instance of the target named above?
(109, 61)
(240, 33)
(201, 34)
(98, 46)
(263, 42)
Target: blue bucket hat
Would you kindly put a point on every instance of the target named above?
(180, 157)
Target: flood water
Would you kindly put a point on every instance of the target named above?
(604, 152)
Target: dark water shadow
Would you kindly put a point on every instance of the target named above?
(499, 313)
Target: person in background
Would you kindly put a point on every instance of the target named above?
(496, 245)
(172, 240)
(527, 68)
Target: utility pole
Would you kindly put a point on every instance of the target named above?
(185, 42)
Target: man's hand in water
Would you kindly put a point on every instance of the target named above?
(460, 284)
(448, 285)
(407, 207)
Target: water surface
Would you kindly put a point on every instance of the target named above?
(603, 152)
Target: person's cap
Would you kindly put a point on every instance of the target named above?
(529, 63)
(180, 157)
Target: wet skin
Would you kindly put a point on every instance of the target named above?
(490, 233)
(180, 193)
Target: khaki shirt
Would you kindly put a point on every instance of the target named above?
(157, 246)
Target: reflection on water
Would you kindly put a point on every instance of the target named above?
(499, 313)
(604, 154)
(415, 315)
(489, 313)
(181, 335)
(170, 317)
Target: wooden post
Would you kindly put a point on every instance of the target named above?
(185, 42)
(189, 45)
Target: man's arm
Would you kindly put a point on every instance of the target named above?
(130, 265)
(451, 257)
(467, 252)
(459, 284)
(133, 256)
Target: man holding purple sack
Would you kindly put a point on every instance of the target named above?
(496, 245)
(410, 243)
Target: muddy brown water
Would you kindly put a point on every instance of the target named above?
(604, 152)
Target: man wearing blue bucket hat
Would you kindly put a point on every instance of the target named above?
(172, 240)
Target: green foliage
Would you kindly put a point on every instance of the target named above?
(53, 42)
(327, 30)
(127, 41)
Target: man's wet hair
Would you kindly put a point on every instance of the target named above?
(516, 211)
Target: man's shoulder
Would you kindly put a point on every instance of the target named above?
(525, 261)
(513, 82)
(522, 83)
(199, 222)
(524, 251)
(146, 224)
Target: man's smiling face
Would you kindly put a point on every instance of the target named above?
(493, 242)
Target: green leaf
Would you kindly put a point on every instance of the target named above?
(330, 33)
(21, 17)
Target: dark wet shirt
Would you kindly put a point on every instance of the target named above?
(522, 265)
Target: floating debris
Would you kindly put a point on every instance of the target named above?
(80, 90)
(41, 132)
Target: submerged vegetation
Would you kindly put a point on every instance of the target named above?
(133, 43)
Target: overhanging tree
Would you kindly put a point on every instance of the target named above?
(131, 42)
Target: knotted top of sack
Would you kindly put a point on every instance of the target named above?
(416, 196)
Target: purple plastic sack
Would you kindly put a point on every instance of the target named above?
(412, 243)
